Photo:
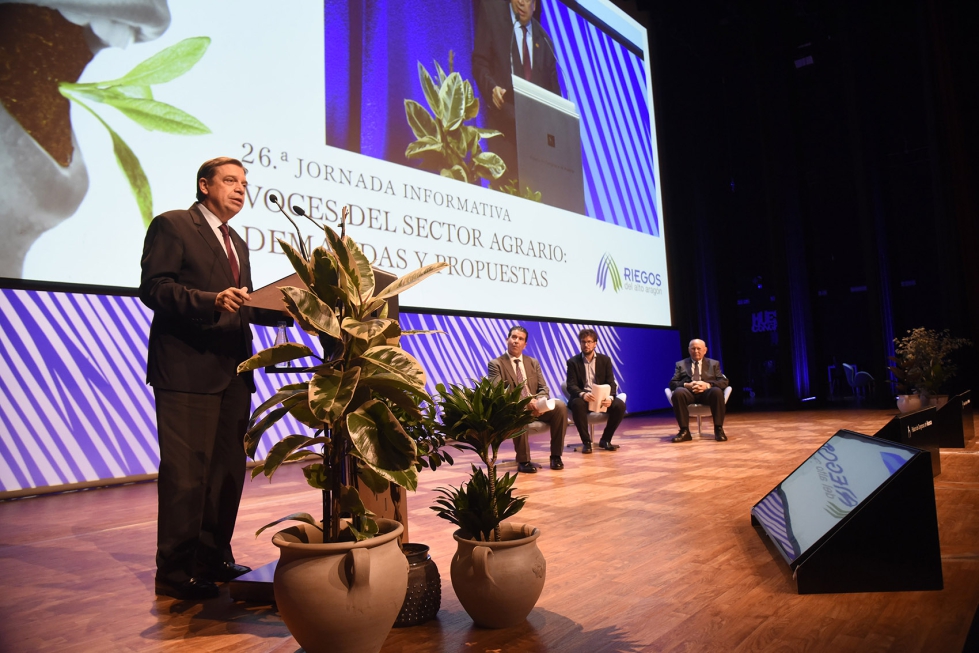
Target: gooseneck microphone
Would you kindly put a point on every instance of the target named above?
(299, 234)
(547, 40)
(298, 210)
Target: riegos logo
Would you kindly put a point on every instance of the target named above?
(607, 268)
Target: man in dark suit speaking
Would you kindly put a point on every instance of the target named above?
(698, 380)
(585, 371)
(196, 278)
(513, 369)
(509, 42)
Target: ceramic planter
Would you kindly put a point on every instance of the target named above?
(344, 597)
(424, 596)
(908, 403)
(498, 583)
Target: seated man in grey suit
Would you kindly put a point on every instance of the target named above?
(586, 370)
(698, 380)
(513, 368)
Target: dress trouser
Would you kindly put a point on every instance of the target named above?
(579, 412)
(202, 472)
(558, 421)
(682, 398)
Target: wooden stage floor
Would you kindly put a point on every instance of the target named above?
(649, 548)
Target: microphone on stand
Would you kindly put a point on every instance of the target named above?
(299, 234)
(547, 40)
(298, 210)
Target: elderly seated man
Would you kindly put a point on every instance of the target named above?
(698, 380)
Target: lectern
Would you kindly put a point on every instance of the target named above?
(548, 146)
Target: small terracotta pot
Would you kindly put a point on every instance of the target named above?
(343, 597)
(498, 583)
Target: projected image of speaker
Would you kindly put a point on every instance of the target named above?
(917, 429)
(857, 516)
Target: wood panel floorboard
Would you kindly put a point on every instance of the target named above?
(649, 548)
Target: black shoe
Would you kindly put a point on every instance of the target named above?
(526, 468)
(682, 436)
(586, 447)
(225, 571)
(719, 434)
(192, 589)
(556, 462)
(607, 445)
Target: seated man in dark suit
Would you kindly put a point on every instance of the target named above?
(513, 368)
(698, 380)
(585, 371)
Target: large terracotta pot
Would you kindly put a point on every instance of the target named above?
(343, 597)
(498, 583)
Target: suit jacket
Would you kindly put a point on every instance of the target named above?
(494, 49)
(192, 346)
(576, 374)
(710, 372)
(501, 367)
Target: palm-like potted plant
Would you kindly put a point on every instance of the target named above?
(357, 441)
(497, 572)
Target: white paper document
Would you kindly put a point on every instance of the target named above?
(599, 394)
(543, 405)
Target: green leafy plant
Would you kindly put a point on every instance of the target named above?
(477, 509)
(480, 419)
(512, 187)
(445, 143)
(132, 94)
(350, 401)
(922, 360)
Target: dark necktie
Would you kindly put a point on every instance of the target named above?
(516, 365)
(526, 55)
(696, 370)
(231, 254)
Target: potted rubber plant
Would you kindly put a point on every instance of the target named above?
(498, 571)
(340, 580)
(445, 143)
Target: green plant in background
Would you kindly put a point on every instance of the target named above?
(422, 428)
(132, 94)
(480, 419)
(445, 143)
(354, 398)
(475, 508)
(922, 359)
(512, 187)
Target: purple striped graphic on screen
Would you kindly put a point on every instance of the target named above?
(770, 511)
(74, 405)
(607, 83)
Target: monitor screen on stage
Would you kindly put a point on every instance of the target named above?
(402, 111)
(822, 491)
